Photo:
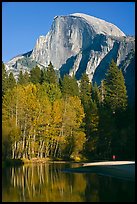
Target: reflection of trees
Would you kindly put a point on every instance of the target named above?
(46, 182)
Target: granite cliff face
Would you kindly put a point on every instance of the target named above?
(80, 43)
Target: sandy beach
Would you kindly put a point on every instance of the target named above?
(117, 169)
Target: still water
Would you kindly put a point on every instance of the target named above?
(48, 183)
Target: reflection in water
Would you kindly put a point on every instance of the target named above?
(47, 183)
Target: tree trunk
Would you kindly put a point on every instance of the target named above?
(13, 150)
(33, 151)
(23, 142)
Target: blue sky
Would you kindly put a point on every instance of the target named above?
(24, 22)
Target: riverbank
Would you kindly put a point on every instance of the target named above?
(22, 161)
(17, 162)
(117, 169)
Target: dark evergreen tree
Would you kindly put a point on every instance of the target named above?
(123, 142)
(50, 75)
(43, 77)
(20, 78)
(129, 130)
(60, 83)
(115, 89)
(35, 75)
(96, 96)
(69, 86)
(85, 91)
(91, 119)
(11, 81)
(4, 79)
(111, 126)
(23, 78)
(106, 132)
(26, 77)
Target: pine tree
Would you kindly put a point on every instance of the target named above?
(115, 89)
(96, 94)
(91, 129)
(52, 91)
(4, 79)
(43, 76)
(114, 99)
(11, 81)
(26, 78)
(51, 77)
(20, 78)
(35, 75)
(23, 78)
(107, 130)
(69, 86)
(85, 91)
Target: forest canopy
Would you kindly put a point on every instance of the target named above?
(45, 116)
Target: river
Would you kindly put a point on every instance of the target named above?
(48, 183)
